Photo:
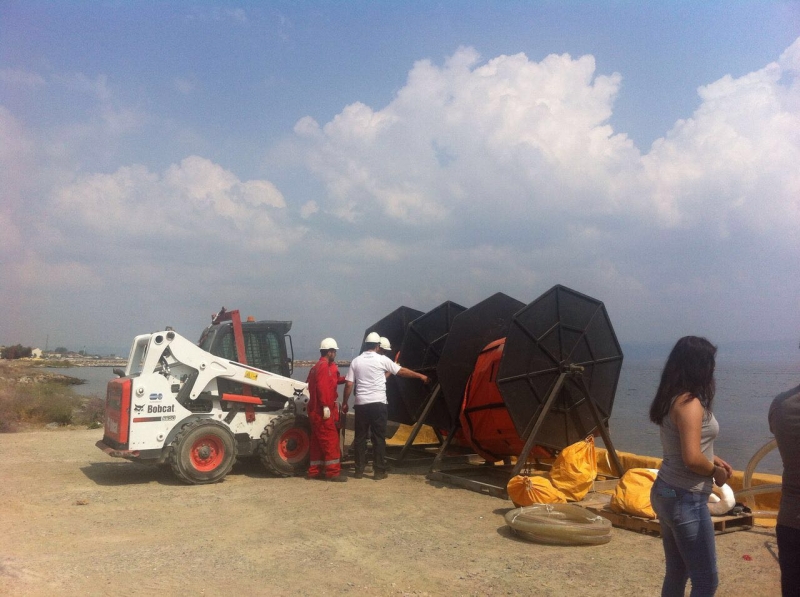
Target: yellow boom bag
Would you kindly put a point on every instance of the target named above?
(525, 491)
(632, 494)
(575, 469)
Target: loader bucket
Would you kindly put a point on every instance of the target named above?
(559, 329)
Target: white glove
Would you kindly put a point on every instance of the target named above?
(326, 413)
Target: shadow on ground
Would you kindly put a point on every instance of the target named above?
(135, 473)
(128, 473)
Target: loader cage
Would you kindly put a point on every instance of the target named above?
(264, 345)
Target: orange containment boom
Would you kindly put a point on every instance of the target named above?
(485, 421)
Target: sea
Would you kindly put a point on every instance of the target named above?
(745, 390)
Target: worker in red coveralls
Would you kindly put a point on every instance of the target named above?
(323, 413)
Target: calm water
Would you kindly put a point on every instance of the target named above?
(744, 393)
(95, 378)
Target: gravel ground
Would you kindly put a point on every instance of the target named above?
(77, 522)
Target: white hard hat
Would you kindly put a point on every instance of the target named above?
(373, 338)
(327, 344)
(385, 345)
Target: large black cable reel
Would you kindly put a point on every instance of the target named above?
(563, 335)
(421, 350)
(471, 332)
(394, 327)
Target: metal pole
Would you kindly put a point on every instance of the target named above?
(420, 422)
(603, 430)
(448, 440)
(523, 457)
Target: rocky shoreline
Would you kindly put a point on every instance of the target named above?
(24, 372)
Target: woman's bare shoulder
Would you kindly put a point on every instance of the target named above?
(685, 405)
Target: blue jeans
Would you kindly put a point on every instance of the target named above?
(688, 537)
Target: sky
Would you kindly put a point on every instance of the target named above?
(328, 162)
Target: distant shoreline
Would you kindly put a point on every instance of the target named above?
(120, 362)
(302, 363)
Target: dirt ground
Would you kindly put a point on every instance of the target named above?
(77, 522)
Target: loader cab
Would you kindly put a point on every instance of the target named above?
(268, 345)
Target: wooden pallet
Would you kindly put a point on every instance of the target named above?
(598, 503)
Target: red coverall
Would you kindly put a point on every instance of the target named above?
(324, 450)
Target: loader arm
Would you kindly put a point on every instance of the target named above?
(171, 349)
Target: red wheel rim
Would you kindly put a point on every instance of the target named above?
(293, 445)
(207, 453)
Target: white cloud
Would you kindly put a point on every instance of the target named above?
(194, 202)
(734, 163)
(308, 209)
(21, 78)
(30, 271)
(531, 142)
(521, 134)
(16, 157)
(96, 87)
(206, 14)
(518, 157)
(478, 177)
(118, 121)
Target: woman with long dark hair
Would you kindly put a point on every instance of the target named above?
(682, 409)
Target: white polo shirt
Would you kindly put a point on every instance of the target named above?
(368, 371)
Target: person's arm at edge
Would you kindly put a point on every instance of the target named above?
(339, 377)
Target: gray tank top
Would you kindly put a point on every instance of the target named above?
(673, 471)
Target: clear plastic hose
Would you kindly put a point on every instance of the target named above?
(559, 524)
(748, 491)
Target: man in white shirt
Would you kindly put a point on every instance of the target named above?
(367, 372)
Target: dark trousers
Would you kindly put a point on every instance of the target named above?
(374, 417)
(789, 559)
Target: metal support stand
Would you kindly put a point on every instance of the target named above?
(411, 454)
(445, 445)
(492, 480)
(603, 432)
(522, 459)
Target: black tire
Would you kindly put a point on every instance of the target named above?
(285, 445)
(204, 451)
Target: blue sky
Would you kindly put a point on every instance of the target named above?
(326, 162)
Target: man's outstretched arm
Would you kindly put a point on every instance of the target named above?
(411, 374)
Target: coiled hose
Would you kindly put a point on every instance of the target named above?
(747, 492)
(559, 524)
